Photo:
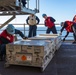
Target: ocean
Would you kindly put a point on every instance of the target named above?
(42, 30)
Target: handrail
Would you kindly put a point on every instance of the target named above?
(41, 24)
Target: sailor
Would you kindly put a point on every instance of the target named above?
(6, 37)
(32, 21)
(70, 27)
(49, 23)
(23, 2)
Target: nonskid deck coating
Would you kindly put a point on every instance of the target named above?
(63, 63)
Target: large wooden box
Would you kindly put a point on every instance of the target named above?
(35, 53)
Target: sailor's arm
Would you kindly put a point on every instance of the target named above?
(66, 36)
(63, 27)
(61, 30)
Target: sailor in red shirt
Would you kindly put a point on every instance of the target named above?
(69, 26)
(6, 37)
(49, 23)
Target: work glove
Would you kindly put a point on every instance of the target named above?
(25, 38)
(63, 39)
(60, 33)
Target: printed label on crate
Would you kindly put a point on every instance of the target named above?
(23, 57)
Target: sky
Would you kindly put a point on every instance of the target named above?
(60, 10)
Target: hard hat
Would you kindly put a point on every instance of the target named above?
(43, 15)
(10, 29)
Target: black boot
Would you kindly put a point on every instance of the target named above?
(1, 57)
(74, 42)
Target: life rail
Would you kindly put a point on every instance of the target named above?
(25, 26)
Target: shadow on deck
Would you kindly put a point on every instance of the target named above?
(63, 63)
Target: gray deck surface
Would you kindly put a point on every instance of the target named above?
(63, 63)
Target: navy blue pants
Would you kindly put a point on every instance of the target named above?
(2, 50)
(23, 2)
(53, 29)
(74, 31)
(32, 30)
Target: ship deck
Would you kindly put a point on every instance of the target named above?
(63, 63)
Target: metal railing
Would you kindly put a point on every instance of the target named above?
(24, 30)
(36, 8)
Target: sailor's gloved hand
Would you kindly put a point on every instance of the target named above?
(63, 39)
(25, 38)
(60, 33)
